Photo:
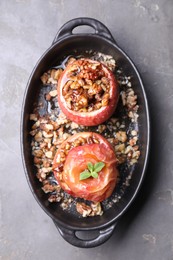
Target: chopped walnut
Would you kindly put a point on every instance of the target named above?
(53, 93)
(51, 77)
(44, 78)
(55, 198)
(121, 136)
(96, 209)
(85, 210)
(49, 154)
(33, 117)
(38, 137)
(48, 188)
(37, 153)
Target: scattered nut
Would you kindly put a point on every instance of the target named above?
(38, 137)
(121, 136)
(49, 154)
(83, 209)
(37, 153)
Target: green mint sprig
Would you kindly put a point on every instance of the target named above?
(92, 171)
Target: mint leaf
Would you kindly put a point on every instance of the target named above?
(90, 166)
(94, 174)
(92, 171)
(99, 166)
(84, 175)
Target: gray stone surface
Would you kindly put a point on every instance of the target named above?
(144, 29)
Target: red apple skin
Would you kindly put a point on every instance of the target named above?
(95, 117)
(92, 189)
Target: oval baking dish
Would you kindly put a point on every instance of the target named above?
(65, 44)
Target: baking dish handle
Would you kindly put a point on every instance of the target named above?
(67, 28)
(70, 236)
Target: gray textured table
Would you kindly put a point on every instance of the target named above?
(144, 29)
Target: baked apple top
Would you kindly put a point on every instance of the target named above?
(85, 166)
(87, 92)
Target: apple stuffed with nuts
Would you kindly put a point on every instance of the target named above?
(87, 92)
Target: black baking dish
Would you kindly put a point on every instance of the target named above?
(64, 44)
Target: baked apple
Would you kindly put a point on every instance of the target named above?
(85, 166)
(87, 92)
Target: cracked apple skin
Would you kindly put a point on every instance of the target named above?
(94, 117)
(93, 189)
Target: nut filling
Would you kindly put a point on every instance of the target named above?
(87, 86)
(50, 128)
